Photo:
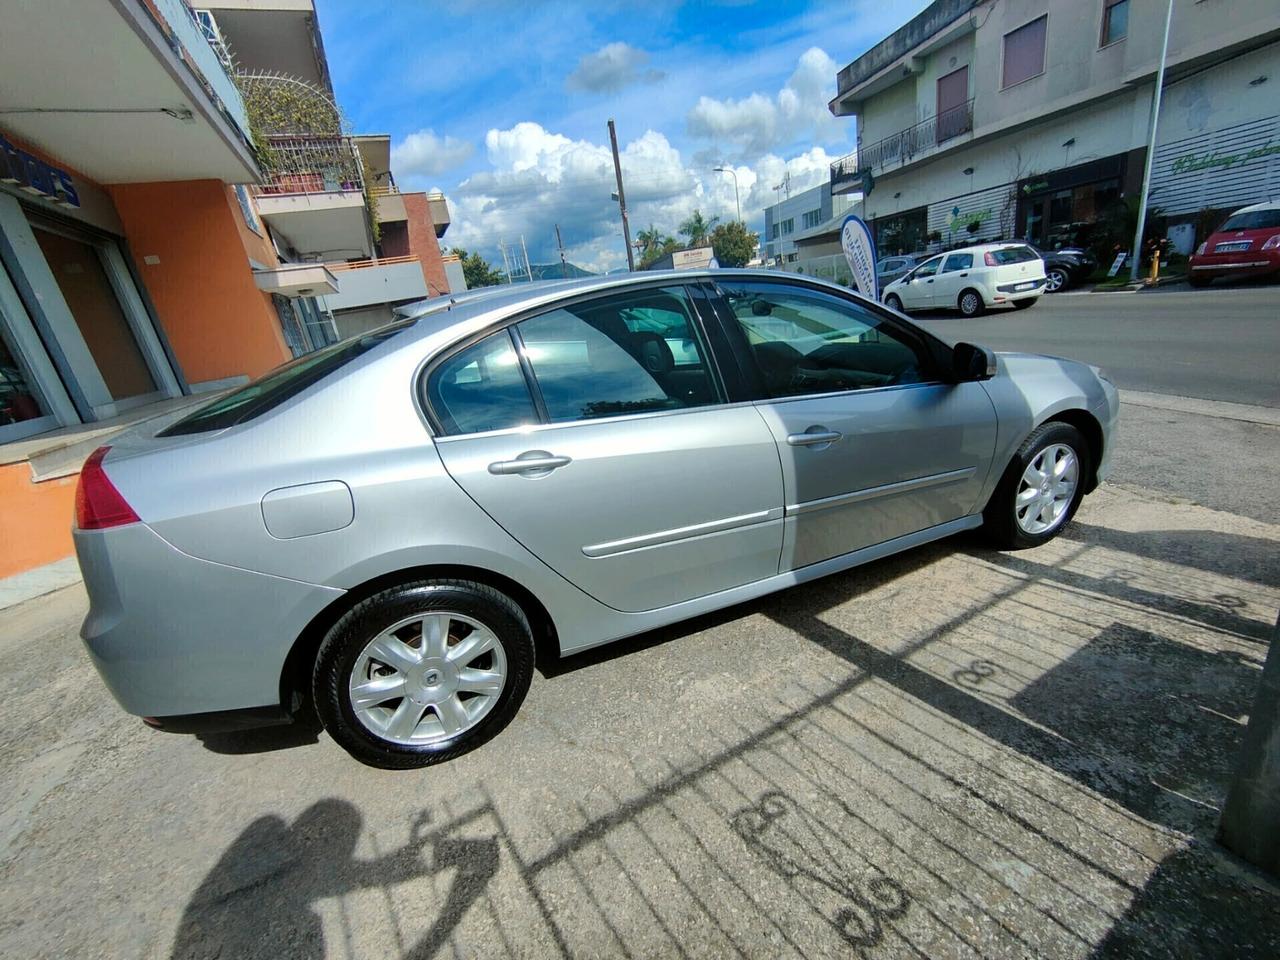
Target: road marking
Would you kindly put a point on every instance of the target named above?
(1270, 416)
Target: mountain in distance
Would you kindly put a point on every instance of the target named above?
(555, 271)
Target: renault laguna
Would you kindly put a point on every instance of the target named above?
(388, 531)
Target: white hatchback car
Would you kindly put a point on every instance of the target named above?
(971, 280)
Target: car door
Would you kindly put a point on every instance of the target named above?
(598, 436)
(917, 292)
(874, 444)
(952, 277)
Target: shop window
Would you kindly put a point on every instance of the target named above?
(98, 315)
(18, 401)
(1024, 52)
(1115, 21)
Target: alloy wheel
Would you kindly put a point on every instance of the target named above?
(970, 304)
(427, 678)
(1054, 281)
(1046, 489)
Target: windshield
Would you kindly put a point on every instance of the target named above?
(1254, 220)
(256, 398)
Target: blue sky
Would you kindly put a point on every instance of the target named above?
(503, 106)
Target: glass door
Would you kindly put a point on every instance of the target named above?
(22, 410)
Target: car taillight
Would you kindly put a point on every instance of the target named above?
(1200, 249)
(989, 259)
(98, 502)
(1273, 243)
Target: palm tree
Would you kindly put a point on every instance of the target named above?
(697, 228)
(649, 240)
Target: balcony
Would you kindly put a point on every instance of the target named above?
(313, 194)
(914, 143)
(390, 203)
(367, 282)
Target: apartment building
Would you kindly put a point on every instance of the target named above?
(796, 216)
(152, 248)
(982, 120)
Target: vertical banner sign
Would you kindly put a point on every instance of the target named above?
(860, 251)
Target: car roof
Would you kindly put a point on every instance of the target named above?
(1255, 207)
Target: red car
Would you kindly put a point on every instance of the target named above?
(1247, 245)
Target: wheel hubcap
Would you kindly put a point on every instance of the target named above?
(1046, 489)
(427, 678)
(1053, 281)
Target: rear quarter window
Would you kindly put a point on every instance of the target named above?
(269, 391)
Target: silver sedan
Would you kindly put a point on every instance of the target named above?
(387, 531)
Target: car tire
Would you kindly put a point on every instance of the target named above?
(452, 717)
(970, 303)
(1055, 279)
(1005, 519)
(1196, 281)
(893, 302)
(1025, 304)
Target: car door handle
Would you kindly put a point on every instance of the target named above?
(817, 436)
(527, 464)
(964, 274)
(930, 281)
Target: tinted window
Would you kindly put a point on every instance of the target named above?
(481, 388)
(889, 266)
(273, 389)
(806, 341)
(928, 268)
(1013, 255)
(1255, 220)
(636, 353)
(958, 261)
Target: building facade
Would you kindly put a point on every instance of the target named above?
(150, 249)
(795, 216)
(1029, 119)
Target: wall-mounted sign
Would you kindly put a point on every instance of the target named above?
(964, 221)
(860, 250)
(32, 175)
(1190, 162)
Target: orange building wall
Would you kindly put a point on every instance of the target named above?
(35, 524)
(423, 243)
(219, 323)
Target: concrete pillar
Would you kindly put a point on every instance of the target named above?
(1250, 823)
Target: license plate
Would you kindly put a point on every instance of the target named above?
(1229, 247)
(1026, 286)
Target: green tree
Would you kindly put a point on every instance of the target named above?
(476, 270)
(734, 244)
(697, 229)
(654, 245)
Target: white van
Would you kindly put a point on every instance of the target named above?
(970, 280)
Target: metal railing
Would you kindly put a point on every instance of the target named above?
(384, 190)
(365, 264)
(905, 145)
(310, 164)
(199, 52)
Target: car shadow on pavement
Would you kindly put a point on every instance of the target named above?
(302, 732)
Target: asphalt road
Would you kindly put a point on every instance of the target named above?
(1217, 344)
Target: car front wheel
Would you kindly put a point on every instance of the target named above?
(423, 672)
(1041, 488)
(1055, 278)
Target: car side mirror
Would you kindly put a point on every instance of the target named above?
(972, 362)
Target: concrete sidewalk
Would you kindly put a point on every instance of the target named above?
(952, 753)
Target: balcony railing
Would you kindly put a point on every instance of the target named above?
(196, 47)
(341, 265)
(905, 145)
(311, 164)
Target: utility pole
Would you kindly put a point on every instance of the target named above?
(528, 270)
(1136, 263)
(736, 201)
(506, 264)
(785, 185)
(564, 264)
(622, 197)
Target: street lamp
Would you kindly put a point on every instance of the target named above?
(733, 173)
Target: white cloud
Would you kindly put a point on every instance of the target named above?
(757, 124)
(423, 154)
(612, 67)
(539, 178)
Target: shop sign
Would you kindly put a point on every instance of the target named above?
(34, 176)
(1190, 163)
(960, 222)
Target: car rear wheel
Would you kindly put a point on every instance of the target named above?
(1041, 488)
(893, 302)
(423, 672)
(1055, 278)
(970, 303)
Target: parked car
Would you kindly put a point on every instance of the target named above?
(1246, 245)
(393, 526)
(1065, 267)
(971, 279)
(890, 269)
